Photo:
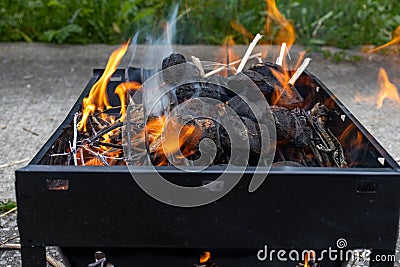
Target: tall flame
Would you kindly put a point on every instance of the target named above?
(121, 90)
(98, 99)
(286, 33)
(387, 90)
(395, 40)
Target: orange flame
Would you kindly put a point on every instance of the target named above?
(387, 90)
(121, 90)
(395, 40)
(226, 54)
(237, 26)
(351, 137)
(204, 257)
(286, 33)
(98, 99)
(167, 137)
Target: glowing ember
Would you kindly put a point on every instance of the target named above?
(205, 256)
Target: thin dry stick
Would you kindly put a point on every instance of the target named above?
(97, 155)
(30, 131)
(248, 52)
(9, 239)
(219, 69)
(299, 71)
(75, 139)
(197, 62)
(279, 60)
(8, 212)
(53, 262)
(82, 160)
(10, 246)
(13, 163)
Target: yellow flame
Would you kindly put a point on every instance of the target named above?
(98, 99)
(395, 40)
(121, 90)
(286, 33)
(387, 90)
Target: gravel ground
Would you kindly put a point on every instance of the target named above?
(41, 82)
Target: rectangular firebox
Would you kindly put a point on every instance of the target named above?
(87, 208)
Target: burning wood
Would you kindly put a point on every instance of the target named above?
(303, 135)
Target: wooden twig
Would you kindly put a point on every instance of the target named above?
(13, 163)
(97, 155)
(279, 60)
(30, 131)
(248, 52)
(8, 212)
(224, 66)
(299, 71)
(82, 159)
(108, 144)
(75, 139)
(53, 262)
(11, 246)
(104, 131)
(8, 240)
(197, 62)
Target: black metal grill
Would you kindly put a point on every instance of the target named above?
(83, 208)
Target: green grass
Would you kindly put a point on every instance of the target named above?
(340, 23)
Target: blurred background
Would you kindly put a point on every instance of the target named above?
(339, 23)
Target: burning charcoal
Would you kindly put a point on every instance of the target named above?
(100, 260)
(303, 131)
(264, 85)
(252, 132)
(172, 60)
(291, 127)
(284, 95)
(285, 123)
(219, 84)
(173, 77)
(191, 90)
(185, 92)
(265, 70)
(241, 107)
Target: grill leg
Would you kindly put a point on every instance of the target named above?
(33, 256)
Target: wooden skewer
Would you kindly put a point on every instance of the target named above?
(279, 60)
(258, 55)
(299, 71)
(248, 52)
